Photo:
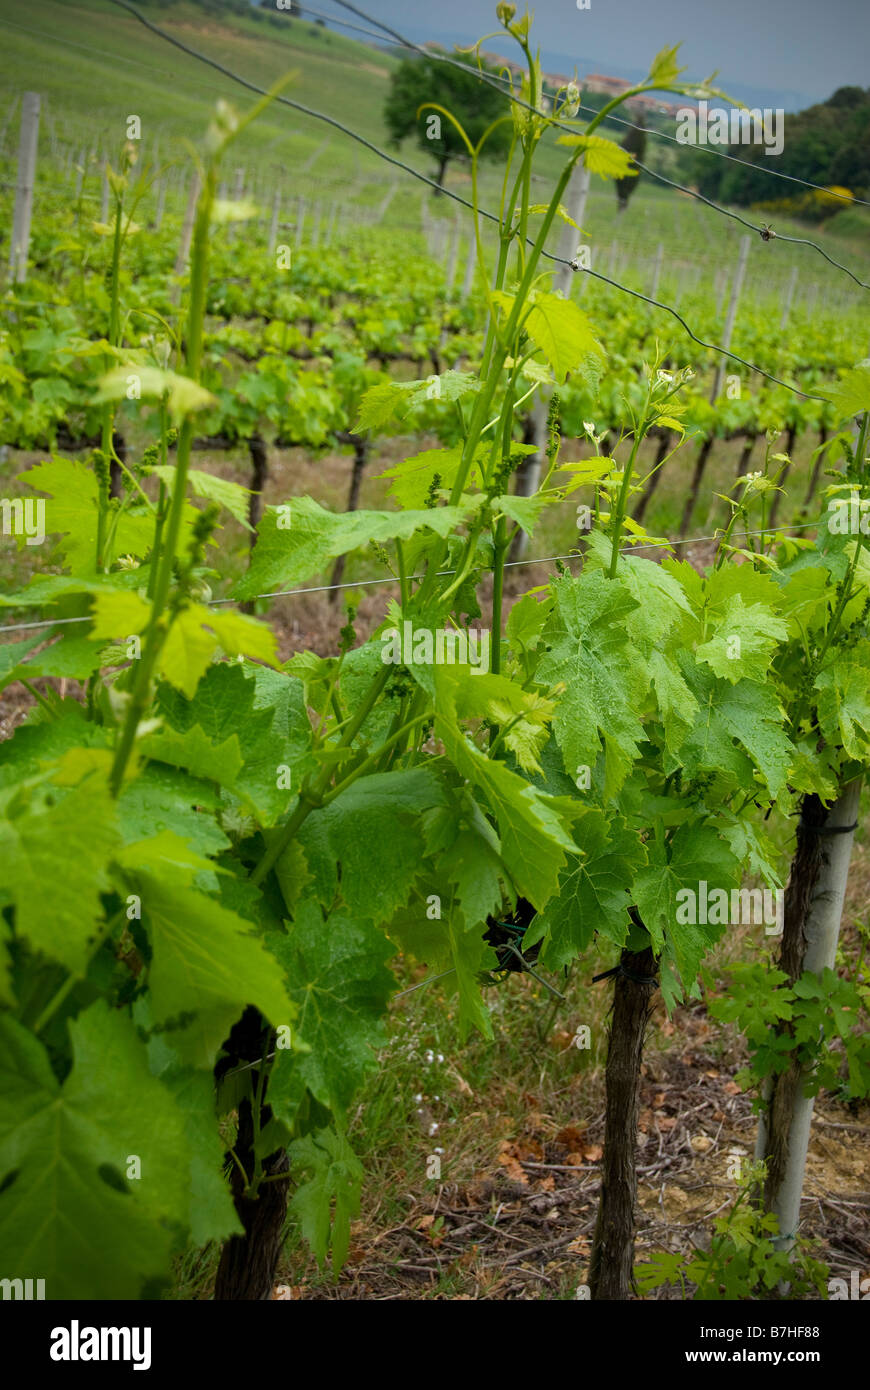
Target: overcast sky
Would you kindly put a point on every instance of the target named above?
(771, 52)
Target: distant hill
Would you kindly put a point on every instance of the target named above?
(94, 64)
(827, 144)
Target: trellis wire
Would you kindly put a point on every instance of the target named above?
(364, 583)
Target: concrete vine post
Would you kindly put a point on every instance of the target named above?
(730, 319)
(187, 226)
(19, 243)
(813, 908)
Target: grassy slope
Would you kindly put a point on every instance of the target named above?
(94, 64)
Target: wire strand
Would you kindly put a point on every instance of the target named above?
(365, 583)
(726, 212)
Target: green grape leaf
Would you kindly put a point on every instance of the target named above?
(540, 210)
(851, 395)
(524, 714)
(207, 965)
(664, 69)
(814, 769)
(843, 701)
(44, 589)
(746, 714)
(34, 746)
(677, 705)
(183, 395)
(602, 156)
(744, 642)
(239, 635)
(212, 1213)
(68, 1211)
(293, 875)
(328, 1200)
(470, 856)
(558, 328)
(582, 472)
(380, 403)
(696, 852)
(533, 838)
(167, 852)
(54, 849)
(412, 478)
(162, 798)
(477, 871)
(592, 654)
(118, 614)
(195, 752)
(12, 654)
(72, 658)
(265, 710)
(339, 984)
(594, 890)
(232, 496)
(187, 652)
(804, 599)
(73, 511)
(525, 511)
(470, 954)
(754, 849)
(300, 541)
(189, 647)
(373, 833)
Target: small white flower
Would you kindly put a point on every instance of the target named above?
(589, 429)
(439, 1058)
(428, 1058)
(433, 1128)
(665, 376)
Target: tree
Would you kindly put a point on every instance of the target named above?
(416, 83)
(635, 144)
